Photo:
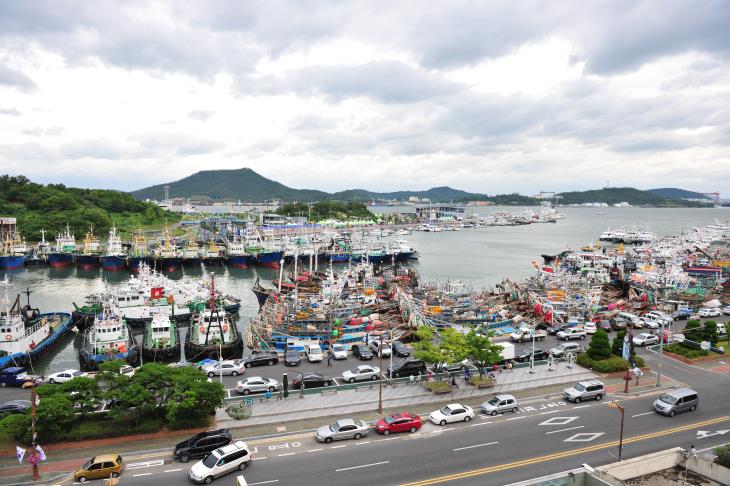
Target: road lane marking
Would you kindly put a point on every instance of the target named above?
(140, 465)
(642, 414)
(558, 421)
(516, 418)
(551, 411)
(584, 437)
(563, 454)
(473, 446)
(141, 474)
(360, 467)
(362, 443)
(287, 454)
(582, 406)
(172, 470)
(564, 430)
(264, 482)
(259, 458)
(338, 447)
(314, 450)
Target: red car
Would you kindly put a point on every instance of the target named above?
(399, 422)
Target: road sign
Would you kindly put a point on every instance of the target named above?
(679, 338)
(705, 345)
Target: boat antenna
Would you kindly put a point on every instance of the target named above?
(27, 295)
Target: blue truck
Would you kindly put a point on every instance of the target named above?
(14, 376)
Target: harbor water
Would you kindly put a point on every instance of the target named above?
(481, 256)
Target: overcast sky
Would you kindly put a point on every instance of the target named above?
(488, 97)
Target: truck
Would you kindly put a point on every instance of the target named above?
(508, 351)
(523, 335)
(14, 376)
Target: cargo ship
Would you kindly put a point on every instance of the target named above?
(62, 254)
(114, 258)
(90, 254)
(13, 252)
(138, 253)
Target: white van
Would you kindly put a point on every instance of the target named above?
(314, 353)
(221, 461)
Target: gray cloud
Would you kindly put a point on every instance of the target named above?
(15, 79)
(201, 115)
(9, 112)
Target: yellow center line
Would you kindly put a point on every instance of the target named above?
(560, 455)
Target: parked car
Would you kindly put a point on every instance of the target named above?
(400, 349)
(721, 328)
(572, 333)
(361, 351)
(261, 358)
(632, 319)
(314, 353)
(523, 355)
(726, 310)
(411, 367)
(201, 444)
(382, 349)
(14, 406)
(681, 314)
(526, 334)
(454, 412)
(233, 457)
(677, 401)
(562, 349)
(338, 351)
(605, 325)
(650, 324)
(709, 312)
(398, 422)
(341, 430)
(584, 390)
(645, 339)
(292, 358)
(553, 330)
(361, 373)
(618, 323)
(500, 404)
(452, 369)
(257, 384)
(64, 376)
(590, 327)
(227, 367)
(311, 380)
(99, 467)
(14, 376)
(127, 371)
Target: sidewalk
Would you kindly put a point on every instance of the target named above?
(404, 395)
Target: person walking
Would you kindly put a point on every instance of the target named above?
(329, 359)
(453, 382)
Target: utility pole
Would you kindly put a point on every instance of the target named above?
(615, 404)
(661, 356)
(380, 376)
(33, 458)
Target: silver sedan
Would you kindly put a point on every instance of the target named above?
(361, 373)
(342, 429)
(256, 384)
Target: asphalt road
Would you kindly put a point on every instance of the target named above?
(546, 436)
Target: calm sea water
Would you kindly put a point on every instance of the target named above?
(477, 256)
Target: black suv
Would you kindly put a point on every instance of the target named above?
(311, 380)
(201, 444)
(292, 358)
(361, 351)
(409, 368)
(524, 355)
(261, 359)
(400, 349)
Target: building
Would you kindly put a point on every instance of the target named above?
(436, 211)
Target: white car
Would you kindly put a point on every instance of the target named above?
(227, 367)
(314, 353)
(64, 376)
(572, 333)
(726, 310)
(257, 384)
(361, 373)
(649, 323)
(645, 339)
(221, 461)
(339, 351)
(127, 371)
(590, 327)
(454, 412)
(711, 312)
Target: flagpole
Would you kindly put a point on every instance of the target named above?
(36, 475)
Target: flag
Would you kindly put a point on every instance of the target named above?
(20, 452)
(156, 293)
(41, 452)
(626, 351)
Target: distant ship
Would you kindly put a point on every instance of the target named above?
(138, 253)
(90, 254)
(236, 253)
(13, 252)
(62, 254)
(114, 258)
(166, 255)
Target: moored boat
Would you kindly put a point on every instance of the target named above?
(167, 256)
(161, 341)
(90, 255)
(107, 339)
(138, 253)
(62, 254)
(12, 254)
(236, 253)
(114, 258)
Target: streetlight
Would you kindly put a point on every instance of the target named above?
(661, 355)
(615, 404)
(380, 376)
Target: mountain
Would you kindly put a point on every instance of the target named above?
(435, 194)
(243, 184)
(614, 195)
(674, 193)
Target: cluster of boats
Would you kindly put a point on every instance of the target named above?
(632, 236)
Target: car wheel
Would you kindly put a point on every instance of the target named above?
(246, 391)
(185, 458)
(208, 480)
(598, 397)
(328, 440)
(442, 423)
(82, 479)
(467, 418)
(247, 365)
(242, 466)
(582, 337)
(672, 413)
(271, 362)
(357, 436)
(352, 380)
(514, 410)
(234, 373)
(493, 413)
(693, 408)
(577, 399)
(272, 389)
(115, 474)
(211, 374)
(386, 432)
(374, 377)
(52, 381)
(413, 430)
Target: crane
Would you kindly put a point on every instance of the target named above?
(715, 197)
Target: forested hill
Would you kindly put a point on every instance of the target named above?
(675, 193)
(50, 207)
(614, 195)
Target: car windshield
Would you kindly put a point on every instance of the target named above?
(668, 399)
(77, 373)
(389, 419)
(493, 401)
(210, 460)
(338, 347)
(446, 410)
(335, 427)
(88, 464)
(579, 387)
(355, 371)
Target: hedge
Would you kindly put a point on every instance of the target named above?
(681, 350)
(610, 365)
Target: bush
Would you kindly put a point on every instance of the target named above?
(476, 381)
(599, 348)
(438, 386)
(723, 455)
(15, 427)
(614, 363)
(681, 350)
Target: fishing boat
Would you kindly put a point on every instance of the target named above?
(211, 254)
(138, 253)
(161, 341)
(13, 252)
(166, 255)
(90, 254)
(107, 339)
(62, 254)
(114, 259)
(38, 255)
(190, 255)
(265, 257)
(26, 335)
(212, 334)
(236, 254)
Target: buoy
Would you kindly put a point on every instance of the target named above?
(225, 327)
(202, 328)
(8, 337)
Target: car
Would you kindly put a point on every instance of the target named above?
(361, 373)
(553, 330)
(681, 314)
(314, 353)
(381, 348)
(606, 325)
(677, 401)
(64, 376)
(262, 358)
(645, 339)
(454, 412)
(500, 404)
(338, 351)
(633, 320)
(361, 351)
(311, 380)
(341, 430)
(257, 384)
(525, 334)
(14, 406)
(584, 390)
(398, 422)
(227, 367)
(709, 312)
(571, 333)
(201, 444)
(233, 457)
(721, 329)
(562, 349)
(618, 323)
(590, 327)
(292, 358)
(452, 369)
(127, 371)
(726, 310)
(524, 354)
(411, 367)
(400, 349)
(99, 467)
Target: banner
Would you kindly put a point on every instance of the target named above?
(20, 452)
(41, 452)
(625, 352)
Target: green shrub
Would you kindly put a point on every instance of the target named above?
(476, 381)
(723, 455)
(438, 386)
(15, 427)
(614, 363)
(681, 350)
(599, 347)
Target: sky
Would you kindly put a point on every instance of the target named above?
(491, 97)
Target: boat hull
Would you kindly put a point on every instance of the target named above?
(269, 259)
(213, 260)
(60, 329)
(133, 262)
(239, 261)
(169, 264)
(113, 263)
(87, 261)
(11, 262)
(90, 362)
(196, 352)
(59, 260)
(166, 354)
(338, 257)
(191, 261)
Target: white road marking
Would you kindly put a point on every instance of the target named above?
(264, 482)
(142, 474)
(517, 418)
(172, 470)
(139, 465)
(473, 446)
(564, 430)
(395, 438)
(359, 467)
(287, 454)
(584, 437)
(551, 411)
(314, 450)
(362, 443)
(558, 421)
(259, 458)
(582, 406)
(338, 447)
(642, 414)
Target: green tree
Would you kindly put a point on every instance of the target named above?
(17, 427)
(693, 331)
(599, 347)
(617, 345)
(482, 351)
(448, 348)
(710, 332)
(193, 397)
(54, 414)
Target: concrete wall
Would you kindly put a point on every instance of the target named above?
(710, 470)
(639, 466)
